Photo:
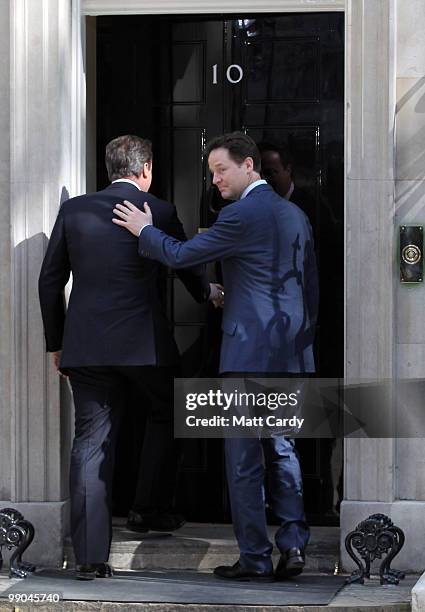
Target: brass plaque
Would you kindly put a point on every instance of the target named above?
(411, 253)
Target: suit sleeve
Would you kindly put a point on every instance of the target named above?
(193, 278)
(219, 242)
(54, 275)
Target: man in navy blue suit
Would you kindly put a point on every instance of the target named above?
(265, 246)
(114, 336)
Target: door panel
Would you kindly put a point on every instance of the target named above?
(188, 178)
(294, 62)
(188, 66)
(197, 115)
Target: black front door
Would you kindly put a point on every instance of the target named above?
(180, 82)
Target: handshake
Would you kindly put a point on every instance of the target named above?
(217, 295)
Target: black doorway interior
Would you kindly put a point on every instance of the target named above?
(180, 81)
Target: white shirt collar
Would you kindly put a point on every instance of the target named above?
(290, 192)
(127, 181)
(252, 186)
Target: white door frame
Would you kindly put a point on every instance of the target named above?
(370, 102)
(175, 7)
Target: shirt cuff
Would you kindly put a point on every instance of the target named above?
(142, 228)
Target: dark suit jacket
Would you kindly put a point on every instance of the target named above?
(265, 245)
(114, 316)
(307, 204)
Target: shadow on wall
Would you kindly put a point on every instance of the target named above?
(410, 173)
(49, 407)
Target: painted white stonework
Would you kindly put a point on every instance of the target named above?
(5, 260)
(42, 142)
(410, 209)
(370, 137)
(144, 7)
(385, 331)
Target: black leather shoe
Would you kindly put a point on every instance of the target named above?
(166, 522)
(154, 522)
(236, 572)
(291, 563)
(137, 522)
(90, 571)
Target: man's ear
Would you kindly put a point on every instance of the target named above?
(249, 164)
(147, 167)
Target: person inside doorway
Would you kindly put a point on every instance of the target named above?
(277, 167)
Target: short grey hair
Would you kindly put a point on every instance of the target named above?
(126, 155)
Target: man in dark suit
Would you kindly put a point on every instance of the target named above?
(277, 169)
(115, 334)
(265, 245)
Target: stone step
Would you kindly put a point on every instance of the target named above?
(370, 597)
(105, 606)
(200, 546)
(162, 590)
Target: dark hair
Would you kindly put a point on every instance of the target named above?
(283, 151)
(239, 145)
(126, 155)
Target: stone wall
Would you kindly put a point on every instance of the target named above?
(5, 259)
(387, 475)
(35, 427)
(410, 209)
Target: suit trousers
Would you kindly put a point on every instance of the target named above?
(250, 462)
(99, 394)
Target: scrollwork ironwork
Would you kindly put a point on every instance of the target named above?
(15, 532)
(375, 538)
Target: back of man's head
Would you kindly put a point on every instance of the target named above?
(126, 155)
(285, 154)
(239, 145)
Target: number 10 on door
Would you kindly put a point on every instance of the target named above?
(234, 74)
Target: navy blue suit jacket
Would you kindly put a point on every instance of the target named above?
(115, 315)
(265, 245)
